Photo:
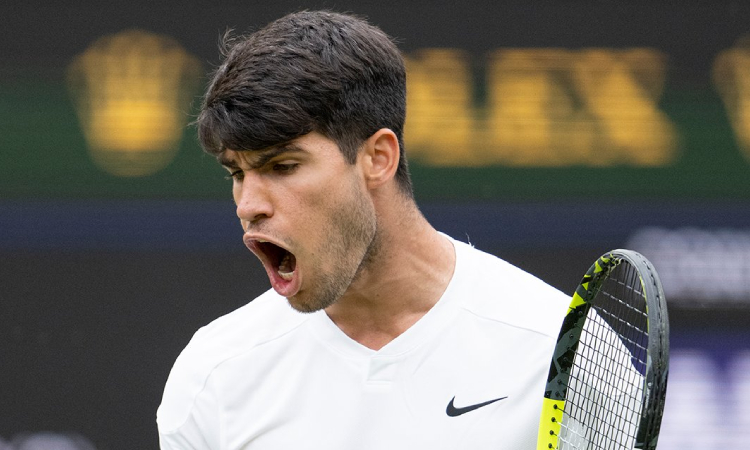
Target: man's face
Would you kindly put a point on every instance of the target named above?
(307, 216)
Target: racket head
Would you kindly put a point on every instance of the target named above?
(619, 304)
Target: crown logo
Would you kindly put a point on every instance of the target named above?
(132, 93)
(731, 74)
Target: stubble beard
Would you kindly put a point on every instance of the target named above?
(352, 246)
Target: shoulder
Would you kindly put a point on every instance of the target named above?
(505, 293)
(263, 320)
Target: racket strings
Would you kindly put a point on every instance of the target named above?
(606, 379)
(631, 318)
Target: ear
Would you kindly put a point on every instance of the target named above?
(379, 158)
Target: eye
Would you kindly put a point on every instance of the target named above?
(236, 175)
(285, 168)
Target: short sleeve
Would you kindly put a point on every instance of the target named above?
(189, 415)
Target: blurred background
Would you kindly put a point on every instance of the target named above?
(544, 132)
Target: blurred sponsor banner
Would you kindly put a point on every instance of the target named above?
(616, 112)
(708, 380)
(699, 267)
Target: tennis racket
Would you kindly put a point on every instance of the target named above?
(608, 377)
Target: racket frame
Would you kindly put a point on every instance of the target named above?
(657, 363)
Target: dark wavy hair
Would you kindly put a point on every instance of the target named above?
(308, 71)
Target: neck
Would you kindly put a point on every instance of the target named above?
(403, 280)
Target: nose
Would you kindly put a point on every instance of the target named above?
(253, 200)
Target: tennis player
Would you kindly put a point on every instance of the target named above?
(379, 332)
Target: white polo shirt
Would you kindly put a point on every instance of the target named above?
(268, 377)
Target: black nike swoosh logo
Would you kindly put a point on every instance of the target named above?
(452, 411)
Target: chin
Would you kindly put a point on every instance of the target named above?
(311, 304)
(303, 306)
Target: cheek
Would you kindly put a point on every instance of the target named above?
(313, 202)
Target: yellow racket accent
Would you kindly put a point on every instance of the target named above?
(549, 425)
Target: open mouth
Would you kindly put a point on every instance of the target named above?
(280, 265)
(281, 260)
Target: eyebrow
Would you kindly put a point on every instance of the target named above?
(263, 157)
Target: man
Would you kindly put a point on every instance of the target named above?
(397, 336)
